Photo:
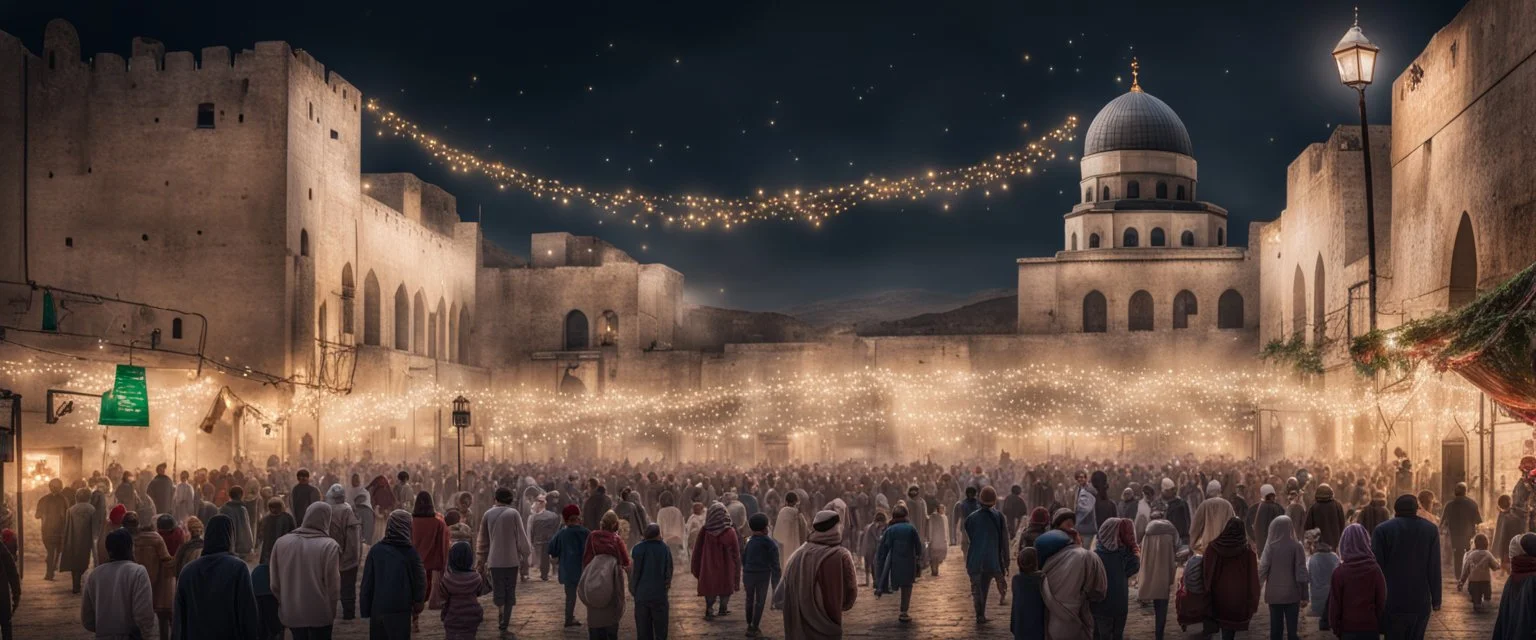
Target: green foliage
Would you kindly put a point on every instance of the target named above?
(1306, 360)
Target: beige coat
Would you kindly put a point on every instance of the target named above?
(1158, 565)
(305, 572)
(149, 550)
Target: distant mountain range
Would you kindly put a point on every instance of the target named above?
(868, 311)
(995, 316)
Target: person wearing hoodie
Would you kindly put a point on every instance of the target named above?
(1074, 579)
(869, 546)
(1210, 517)
(818, 586)
(79, 538)
(149, 550)
(346, 529)
(457, 594)
(117, 602)
(1373, 514)
(1115, 545)
(1231, 579)
(1407, 548)
(394, 586)
(502, 547)
(429, 534)
(716, 561)
(1264, 513)
(241, 516)
(214, 596)
(275, 524)
(366, 518)
(1320, 567)
(1476, 573)
(1326, 515)
(305, 576)
(651, 580)
(1357, 592)
(603, 621)
(1159, 566)
(899, 559)
(1027, 619)
(1283, 572)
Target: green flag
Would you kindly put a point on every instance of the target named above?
(50, 314)
(127, 404)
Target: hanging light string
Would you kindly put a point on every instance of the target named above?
(699, 212)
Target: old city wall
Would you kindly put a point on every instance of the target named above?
(1051, 293)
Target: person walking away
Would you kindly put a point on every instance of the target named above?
(1283, 572)
(1116, 548)
(1476, 574)
(1518, 599)
(394, 588)
(235, 509)
(275, 524)
(149, 551)
(161, 490)
(1407, 548)
(192, 549)
(1210, 517)
(1374, 513)
(1321, 563)
(271, 626)
(1231, 579)
(1264, 513)
(214, 596)
(542, 526)
(303, 493)
(502, 547)
(963, 510)
(1027, 619)
(458, 528)
(457, 594)
(760, 570)
(1074, 579)
(672, 523)
(305, 576)
(1459, 521)
(174, 537)
(818, 585)
(1015, 510)
(1357, 592)
(603, 581)
(899, 560)
(1327, 516)
(789, 528)
(79, 539)
(716, 561)
(869, 546)
(938, 546)
(1506, 528)
(569, 548)
(183, 499)
(118, 601)
(1039, 522)
(651, 580)
(1159, 566)
(346, 529)
(1084, 500)
(429, 534)
(988, 534)
(51, 509)
(366, 517)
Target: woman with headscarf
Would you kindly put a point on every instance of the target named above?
(1159, 566)
(214, 596)
(1074, 578)
(276, 523)
(394, 585)
(118, 601)
(382, 494)
(366, 518)
(1357, 592)
(716, 561)
(1115, 545)
(458, 593)
(429, 534)
(79, 538)
(1231, 578)
(1517, 604)
(603, 621)
(818, 585)
(1283, 572)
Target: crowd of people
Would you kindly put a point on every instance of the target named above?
(256, 550)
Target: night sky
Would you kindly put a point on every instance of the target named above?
(723, 98)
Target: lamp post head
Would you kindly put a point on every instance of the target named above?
(460, 412)
(1356, 58)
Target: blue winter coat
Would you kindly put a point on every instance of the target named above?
(1119, 566)
(650, 571)
(989, 542)
(568, 547)
(394, 580)
(1407, 548)
(896, 561)
(761, 557)
(1028, 619)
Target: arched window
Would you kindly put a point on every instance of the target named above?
(576, 336)
(440, 330)
(452, 353)
(402, 319)
(1106, 193)
(1139, 313)
(1319, 304)
(464, 328)
(1159, 239)
(1162, 191)
(1184, 306)
(321, 334)
(1221, 236)
(1088, 194)
(1093, 241)
(1074, 241)
(371, 334)
(1464, 263)
(303, 242)
(1178, 193)
(348, 292)
(419, 324)
(1133, 189)
(1130, 238)
(1229, 310)
(1187, 239)
(1095, 313)
(175, 328)
(608, 329)
(1299, 305)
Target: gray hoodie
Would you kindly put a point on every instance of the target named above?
(345, 527)
(305, 573)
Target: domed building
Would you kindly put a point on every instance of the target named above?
(1140, 251)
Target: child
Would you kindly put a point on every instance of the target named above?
(458, 593)
(649, 583)
(1477, 568)
(1320, 567)
(938, 541)
(457, 530)
(569, 546)
(759, 570)
(694, 526)
(1028, 619)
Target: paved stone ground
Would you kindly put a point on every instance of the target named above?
(941, 608)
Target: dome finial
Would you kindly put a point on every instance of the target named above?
(1135, 75)
(1357, 15)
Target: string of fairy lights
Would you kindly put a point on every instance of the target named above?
(700, 212)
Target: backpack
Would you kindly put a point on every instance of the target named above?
(598, 588)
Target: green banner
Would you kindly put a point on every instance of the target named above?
(127, 404)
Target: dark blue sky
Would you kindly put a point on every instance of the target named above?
(723, 98)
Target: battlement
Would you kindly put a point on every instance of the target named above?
(422, 202)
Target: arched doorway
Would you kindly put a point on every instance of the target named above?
(1139, 313)
(1319, 304)
(1299, 305)
(371, 309)
(1229, 310)
(1463, 264)
(1095, 313)
(577, 336)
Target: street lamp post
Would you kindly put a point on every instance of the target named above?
(1356, 57)
(460, 423)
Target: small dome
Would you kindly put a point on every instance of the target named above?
(1137, 121)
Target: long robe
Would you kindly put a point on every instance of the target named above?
(79, 538)
(1210, 518)
(790, 530)
(1074, 577)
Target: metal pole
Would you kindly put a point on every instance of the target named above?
(1370, 209)
(461, 458)
(1482, 458)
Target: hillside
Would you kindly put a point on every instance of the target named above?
(994, 316)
